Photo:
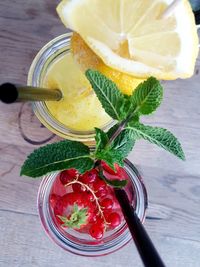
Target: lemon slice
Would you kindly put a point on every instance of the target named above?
(132, 36)
(87, 59)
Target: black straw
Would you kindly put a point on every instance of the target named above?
(146, 249)
(10, 93)
(197, 17)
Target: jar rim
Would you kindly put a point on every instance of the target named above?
(40, 64)
(122, 236)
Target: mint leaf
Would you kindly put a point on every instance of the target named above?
(123, 143)
(114, 151)
(58, 156)
(147, 97)
(159, 136)
(114, 183)
(112, 100)
(101, 139)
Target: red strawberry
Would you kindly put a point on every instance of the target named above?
(73, 210)
(108, 169)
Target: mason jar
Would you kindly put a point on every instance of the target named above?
(83, 244)
(51, 52)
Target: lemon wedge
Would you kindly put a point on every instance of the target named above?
(87, 59)
(133, 37)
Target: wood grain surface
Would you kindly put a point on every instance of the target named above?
(173, 217)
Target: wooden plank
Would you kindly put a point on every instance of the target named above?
(25, 244)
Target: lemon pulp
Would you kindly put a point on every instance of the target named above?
(79, 110)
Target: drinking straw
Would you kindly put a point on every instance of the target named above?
(10, 93)
(170, 8)
(146, 249)
(197, 17)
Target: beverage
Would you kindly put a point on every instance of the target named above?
(77, 206)
(127, 50)
(79, 111)
(52, 194)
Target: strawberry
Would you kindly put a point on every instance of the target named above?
(108, 169)
(88, 205)
(73, 210)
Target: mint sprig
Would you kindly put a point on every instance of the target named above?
(116, 150)
(58, 156)
(112, 100)
(147, 97)
(115, 145)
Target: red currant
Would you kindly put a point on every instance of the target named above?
(101, 193)
(96, 231)
(99, 185)
(114, 219)
(67, 176)
(89, 176)
(106, 203)
(78, 188)
(90, 196)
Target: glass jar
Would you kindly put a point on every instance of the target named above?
(81, 244)
(52, 51)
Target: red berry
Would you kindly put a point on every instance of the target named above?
(100, 221)
(67, 176)
(106, 203)
(93, 219)
(90, 196)
(108, 169)
(96, 231)
(101, 193)
(78, 188)
(114, 219)
(99, 185)
(89, 176)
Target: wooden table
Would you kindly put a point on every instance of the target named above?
(173, 217)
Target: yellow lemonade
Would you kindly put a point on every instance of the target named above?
(80, 109)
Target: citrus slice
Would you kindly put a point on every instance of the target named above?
(87, 59)
(133, 37)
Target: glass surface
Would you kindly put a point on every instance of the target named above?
(51, 52)
(83, 244)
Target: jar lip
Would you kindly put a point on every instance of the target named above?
(91, 250)
(42, 61)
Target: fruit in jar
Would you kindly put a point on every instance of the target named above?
(89, 204)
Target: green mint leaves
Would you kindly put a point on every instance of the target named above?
(115, 145)
(116, 150)
(58, 156)
(159, 136)
(109, 95)
(146, 98)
